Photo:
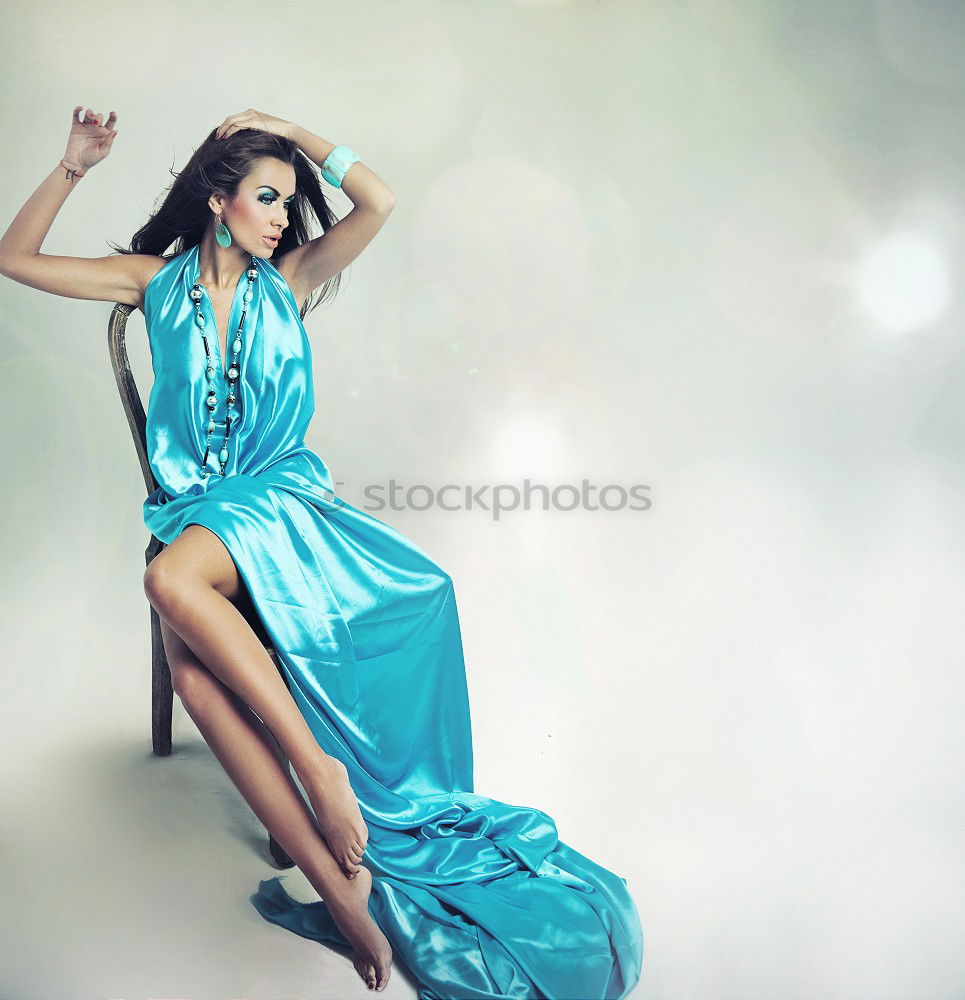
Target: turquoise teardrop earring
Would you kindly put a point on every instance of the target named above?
(221, 234)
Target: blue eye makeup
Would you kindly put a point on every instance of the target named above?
(271, 193)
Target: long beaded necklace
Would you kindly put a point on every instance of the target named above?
(196, 294)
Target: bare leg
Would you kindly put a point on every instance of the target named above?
(243, 745)
(192, 584)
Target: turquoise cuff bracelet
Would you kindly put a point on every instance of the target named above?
(336, 163)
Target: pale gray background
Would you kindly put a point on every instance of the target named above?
(714, 248)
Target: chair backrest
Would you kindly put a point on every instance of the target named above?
(130, 399)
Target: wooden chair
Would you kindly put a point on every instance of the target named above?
(162, 694)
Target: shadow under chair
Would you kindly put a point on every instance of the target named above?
(162, 693)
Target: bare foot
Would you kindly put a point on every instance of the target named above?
(348, 904)
(337, 814)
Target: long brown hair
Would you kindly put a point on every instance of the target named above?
(217, 167)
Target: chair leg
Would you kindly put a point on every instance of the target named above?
(279, 854)
(162, 693)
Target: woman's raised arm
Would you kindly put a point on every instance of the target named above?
(115, 278)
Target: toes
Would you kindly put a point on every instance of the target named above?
(366, 972)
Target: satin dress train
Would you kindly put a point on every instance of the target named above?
(478, 898)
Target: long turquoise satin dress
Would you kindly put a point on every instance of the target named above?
(479, 898)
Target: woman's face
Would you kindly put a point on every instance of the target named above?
(261, 205)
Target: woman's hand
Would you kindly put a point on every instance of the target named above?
(254, 119)
(89, 141)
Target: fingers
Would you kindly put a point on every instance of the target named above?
(94, 118)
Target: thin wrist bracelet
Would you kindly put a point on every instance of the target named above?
(336, 163)
(71, 173)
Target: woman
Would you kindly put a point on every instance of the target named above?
(480, 898)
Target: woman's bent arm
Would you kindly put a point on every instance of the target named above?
(115, 278)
